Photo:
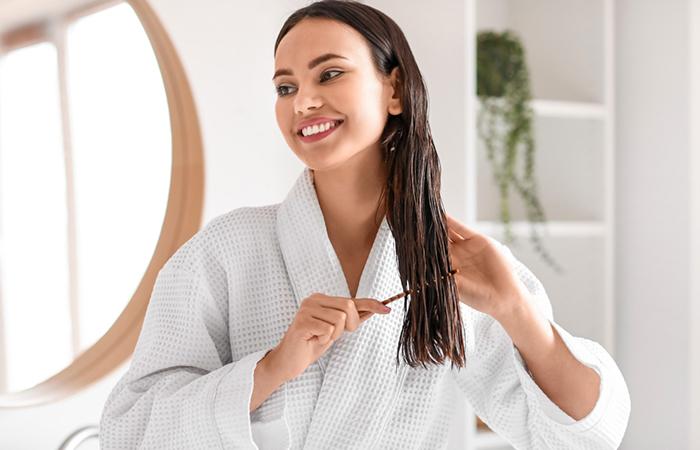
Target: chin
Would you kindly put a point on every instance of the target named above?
(322, 162)
(321, 165)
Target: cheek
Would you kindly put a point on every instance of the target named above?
(367, 124)
(368, 112)
(284, 121)
(279, 115)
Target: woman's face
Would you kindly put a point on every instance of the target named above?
(346, 88)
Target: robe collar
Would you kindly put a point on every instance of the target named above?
(361, 380)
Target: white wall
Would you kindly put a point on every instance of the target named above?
(227, 51)
(654, 154)
(694, 55)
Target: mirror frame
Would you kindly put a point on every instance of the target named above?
(183, 218)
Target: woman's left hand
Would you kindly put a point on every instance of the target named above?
(485, 281)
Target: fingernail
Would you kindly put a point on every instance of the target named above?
(386, 308)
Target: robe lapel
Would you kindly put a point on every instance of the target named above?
(361, 380)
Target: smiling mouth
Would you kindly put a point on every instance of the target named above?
(336, 123)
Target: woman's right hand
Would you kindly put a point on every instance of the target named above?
(320, 321)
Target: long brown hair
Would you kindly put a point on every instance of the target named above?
(432, 327)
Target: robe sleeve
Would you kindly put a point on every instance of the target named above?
(502, 392)
(182, 389)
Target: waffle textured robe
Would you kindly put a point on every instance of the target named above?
(228, 295)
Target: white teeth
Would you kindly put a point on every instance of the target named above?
(318, 128)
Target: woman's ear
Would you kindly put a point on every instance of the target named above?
(394, 106)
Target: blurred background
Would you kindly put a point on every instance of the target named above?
(127, 125)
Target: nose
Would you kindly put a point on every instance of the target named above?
(306, 99)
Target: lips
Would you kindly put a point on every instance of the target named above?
(319, 136)
(309, 123)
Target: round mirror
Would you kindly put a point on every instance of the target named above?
(101, 180)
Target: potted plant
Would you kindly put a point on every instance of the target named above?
(504, 125)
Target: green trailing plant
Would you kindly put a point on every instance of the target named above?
(504, 125)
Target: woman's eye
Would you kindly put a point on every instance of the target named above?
(281, 88)
(329, 71)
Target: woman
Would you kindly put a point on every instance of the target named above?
(267, 328)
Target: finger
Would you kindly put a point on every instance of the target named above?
(454, 236)
(320, 329)
(393, 299)
(328, 315)
(352, 318)
(340, 325)
(349, 318)
(345, 304)
(334, 318)
(459, 227)
(370, 305)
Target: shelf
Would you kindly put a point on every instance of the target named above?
(558, 228)
(569, 53)
(555, 108)
(565, 109)
(569, 170)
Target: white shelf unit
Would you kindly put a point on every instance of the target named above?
(569, 50)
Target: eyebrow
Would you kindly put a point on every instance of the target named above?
(313, 63)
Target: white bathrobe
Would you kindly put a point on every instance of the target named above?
(229, 294)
